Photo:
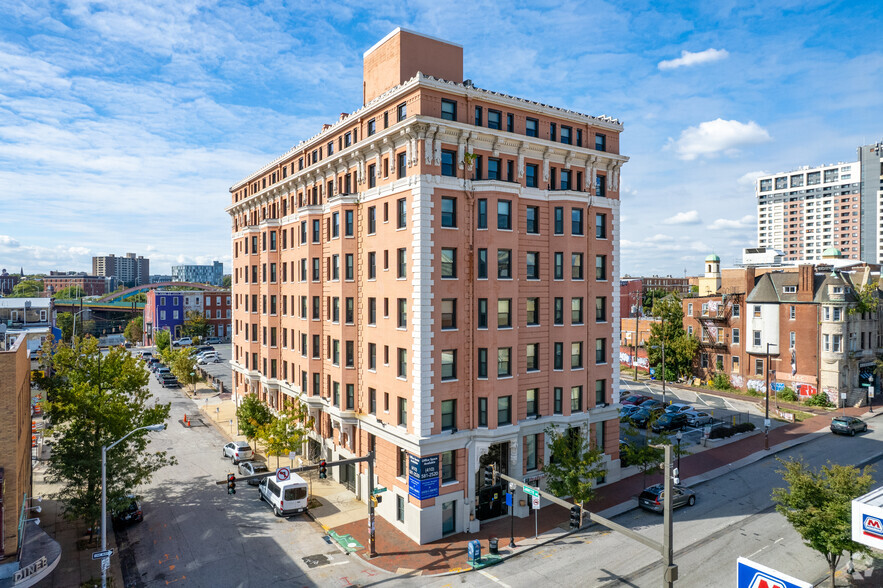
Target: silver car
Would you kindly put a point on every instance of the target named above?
(253, 468)
(238, 451)
(652, 498)
(698, 418)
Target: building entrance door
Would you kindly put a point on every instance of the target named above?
(491, 500)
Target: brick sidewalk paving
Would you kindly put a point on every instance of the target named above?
(399, 554)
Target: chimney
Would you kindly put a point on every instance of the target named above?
(805, 283)
(750, 275)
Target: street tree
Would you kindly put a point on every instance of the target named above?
(27, 289)
(134, 330)
(162, 340)
(285, 433)
(97, 399)
(195, 324)
(575, 465)
(227, 281)
(818, 504)
(649, 298)
(680, 348)
(252, 414)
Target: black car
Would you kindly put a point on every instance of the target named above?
(200, 348)
(846, 425)
(642, 417)
(128, 513)
(670, 421)
(652, 404)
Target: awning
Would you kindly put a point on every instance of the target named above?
(40, 553)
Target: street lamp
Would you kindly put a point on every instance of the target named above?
(193, 383)
(870, 392)
(662, 341)
(637, 329)
(766, 418)
(104, 448)
(679, 436)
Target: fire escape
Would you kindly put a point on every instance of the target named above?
(715, 315)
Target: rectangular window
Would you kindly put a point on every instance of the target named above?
(600, 267)
(401, 165)
(482, 363)
(576, 399)
(532, 352)
(566, 175)
(449, 364)
(372, 127)
(402, 111)
(531, 127)
(558, 355)
(600, 186)
(493, 169)
(481, 213)
(558, 266)
(448, 461)
(600, 351)
(576, 266)
(372, 401)
(532, 220)
(530, 175)
(448, 313)
(372, 311)
(402, 306)
(504, 314)
(504, 362)
(558, 312)
(532, 401)
(576, 221)
(448, 109)
(533, 311)
(400, 508)
(576, 311)
(600, 226)
(447, 164)
(481, 319)
(736, 336)
(533, 265)
(348, 223)
(401, 266)
(600, 142)
(566, 135)
(372, 358)
(576, 355)
(349, 267)
(448, 212)
(504, 264)
(558, 400)
(372, 265)
(402, 363)
(756, 338)
(481, 264)
(552, 129)
(478, 117)
(504, 214)
(372, 176)
(494, 119)
(792, 312)
(559, 220)
(510, 122)
(600, 309)
(504, 410)
(448, 263)
(401, 213)
(600, 392)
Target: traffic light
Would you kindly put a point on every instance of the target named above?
(323, 471)
(488, 476)
(574, 516)
(231, 484)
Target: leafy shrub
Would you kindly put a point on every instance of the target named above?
(819, 399)
(788, 395)
(744, 427)
(722, 432)
(721, 381)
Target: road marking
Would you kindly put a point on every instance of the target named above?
(493, 579)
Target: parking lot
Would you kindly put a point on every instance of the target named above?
(723, 410)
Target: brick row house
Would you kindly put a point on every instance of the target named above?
(795, 324)
(435, 277)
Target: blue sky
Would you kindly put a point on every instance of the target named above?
(123, 124)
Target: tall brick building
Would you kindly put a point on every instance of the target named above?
(435, 276)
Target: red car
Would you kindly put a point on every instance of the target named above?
(635, 399)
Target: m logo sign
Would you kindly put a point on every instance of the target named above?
(872, 526)
(765, 581)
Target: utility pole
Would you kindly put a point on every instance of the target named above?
(766, 418)
(670, 572)
(637, 330)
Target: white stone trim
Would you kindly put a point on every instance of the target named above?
(421, 308)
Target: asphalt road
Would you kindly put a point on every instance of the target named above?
(734, 516)
(195, 534)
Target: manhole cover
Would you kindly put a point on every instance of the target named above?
(314, 561)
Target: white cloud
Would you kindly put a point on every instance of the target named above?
(8, 242)
(750, 178)
(715, 136)
(688, 59)
(724, 224)
(690, 217)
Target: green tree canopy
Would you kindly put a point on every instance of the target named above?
(163, 341)
(575, 465)
(649, 299)
(680, 348)
(27, 289)
(818, 504)
(252, 414)
(70, 292)
(98, 399)
(285, 433)
(195, 324)
(227, 281)
(134, 330)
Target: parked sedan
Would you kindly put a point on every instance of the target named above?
(627, 411)
(652, 498)
(670, 421)
(169, 381)
(210, 357)
(239, 451)
(643, 416)
(653, 404)
(253, 468)
(698, 418)
(635, 399)
(127, 513)
(845, 425)
(678, 407)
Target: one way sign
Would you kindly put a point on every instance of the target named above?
(102, 554)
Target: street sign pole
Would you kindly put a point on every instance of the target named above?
(372, 550)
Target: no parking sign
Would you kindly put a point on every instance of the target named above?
(282, 474)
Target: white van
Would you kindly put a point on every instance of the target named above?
(286, 498)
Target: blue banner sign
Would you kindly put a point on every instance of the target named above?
(423, 476)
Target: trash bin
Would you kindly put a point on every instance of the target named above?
(492, 546)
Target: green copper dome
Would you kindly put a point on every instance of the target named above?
(831, 252)
(712, 257)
